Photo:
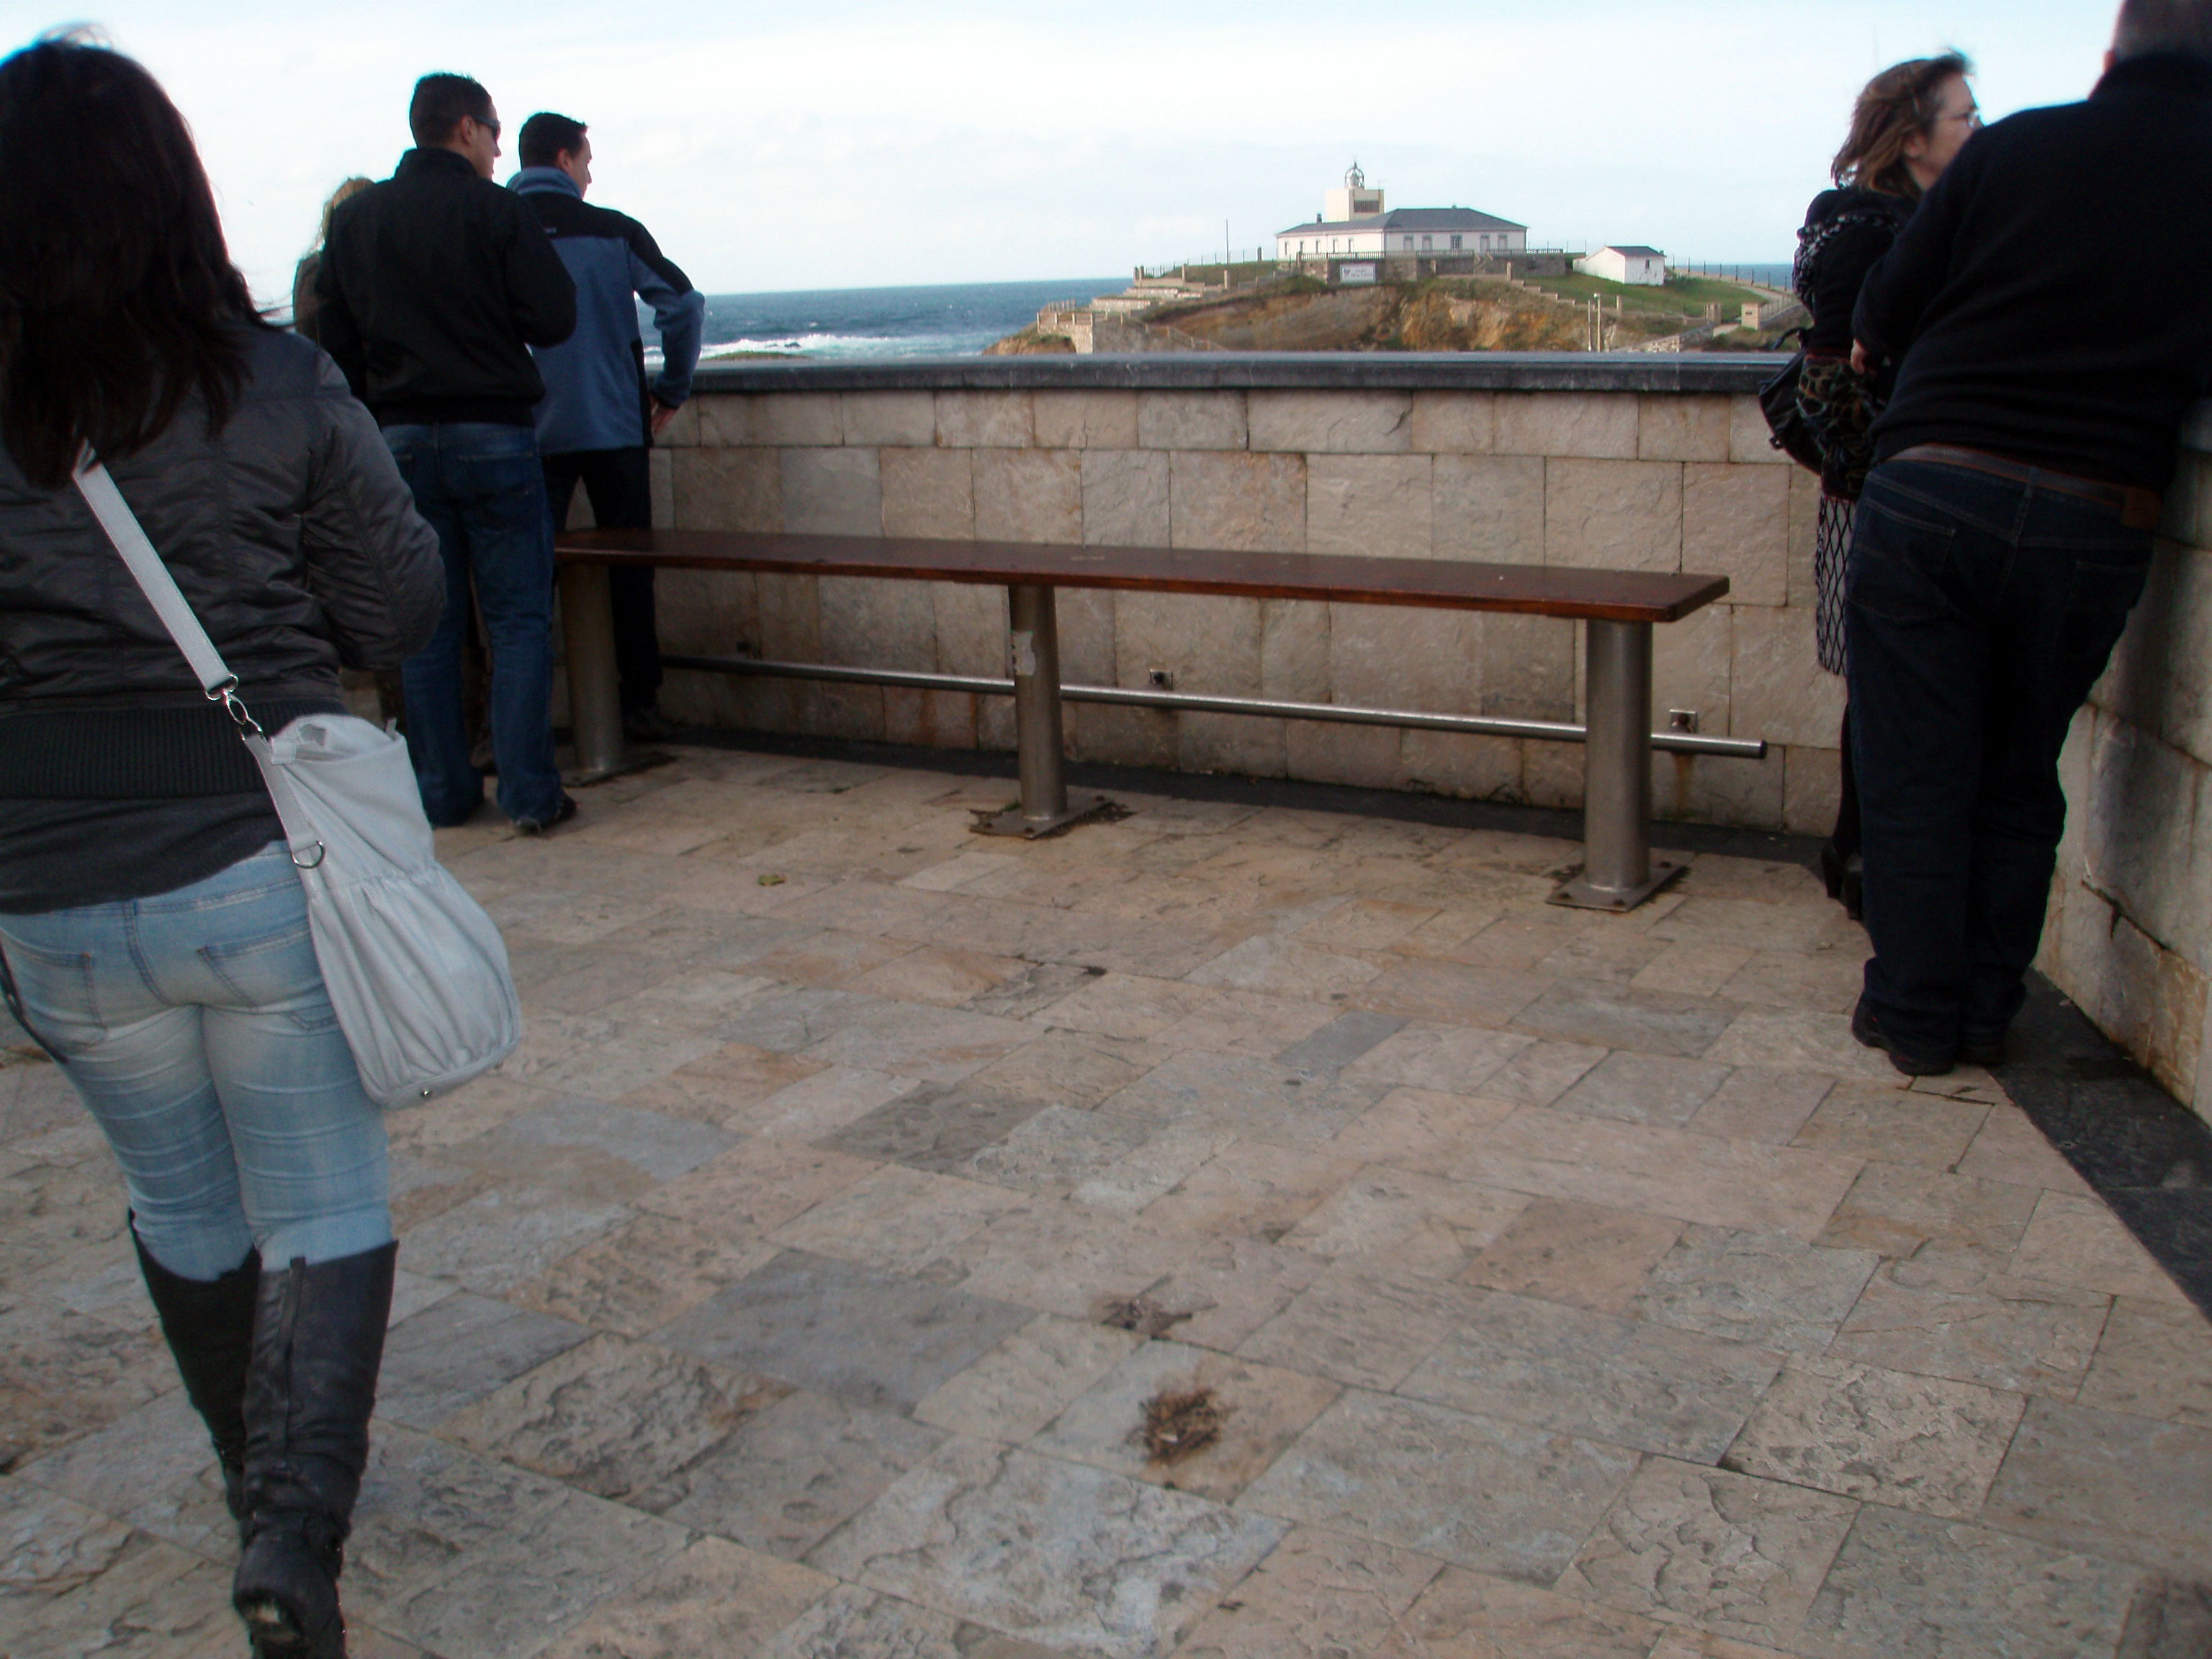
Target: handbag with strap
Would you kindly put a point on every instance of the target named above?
(416, 972)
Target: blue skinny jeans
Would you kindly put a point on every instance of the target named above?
(195, 1028)
(481, 488)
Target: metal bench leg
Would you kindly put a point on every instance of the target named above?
(1618, 872)
(1034, 654)
(587, 625)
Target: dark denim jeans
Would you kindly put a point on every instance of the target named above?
(619, 483)
(481, 488)
(1980, 612)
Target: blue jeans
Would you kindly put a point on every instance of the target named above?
(1980, 612)
(481, 489)
(195, 1028)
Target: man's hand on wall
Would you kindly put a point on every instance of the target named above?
(662, 415)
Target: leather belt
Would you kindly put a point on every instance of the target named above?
(2138, 509)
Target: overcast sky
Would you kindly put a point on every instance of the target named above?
(854, 143)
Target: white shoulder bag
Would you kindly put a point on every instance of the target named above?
(416, 970)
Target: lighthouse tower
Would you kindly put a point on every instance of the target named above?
(1354, 201)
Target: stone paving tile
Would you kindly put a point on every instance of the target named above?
(1757, 1103)
(1409, 1223)
(641, 1275)
(819, 1106)
(792, 1474)
(937, 1129)
(716, 1597)
(1694, 1177)
(1031, 989)
(1440, 1058)
(1800, 1040)
(1285, 968)
(1078, 1069)
(1335, 1045)
(2078, 1242)
(1737, 1556)
(1596, 1376)
(1542, 1072)
(856, 1624)
(59, 1354)
(757, 1185)
(1760, 1288)
(1449, 994)
(1253, 1188)
(1249, 1023)
(1894, 1125)
(500, 1238)
(1650, 1022)
(1110, 1567)
(897, 1219)
(2169, 1618)
(695, 1002)
(1828, 981)
(2155, 1360)
(717, 1085)
(830, 958)
(1222, 1290)
(157, 1600)
(1901, 1212)
(1584, 1255)
(2108, 1484)
(1125, 1006)
(1908, 1584)
(1915, 1442)
(1250, 1096)
(151, 1469)
(1012, 1392)
(1638, 1088)
(50, 1544)
(1318, 1595)
(592, 1149)
(1265, 1407)
(1692, 968)
(611, 1416)
(1472, 1615)
(1958, 1316)
(2011, 1149)
(864, 1337)
(1059, 1257)
(1361, 1327)
(937, 1045)
(1424, 1129)
(1364, 925)
(455, 1353)
(1497, 1496)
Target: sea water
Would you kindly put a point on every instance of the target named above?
(843, 324)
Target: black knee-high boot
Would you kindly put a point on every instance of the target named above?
(210, 1327)
(318, 1341)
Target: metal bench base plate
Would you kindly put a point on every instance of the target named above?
(1012, 822)
(1579, 893)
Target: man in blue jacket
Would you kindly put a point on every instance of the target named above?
(599, 415)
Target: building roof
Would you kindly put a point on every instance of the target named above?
(1632, 252)
(1402, 219)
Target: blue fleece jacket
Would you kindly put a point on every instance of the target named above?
(596, 395)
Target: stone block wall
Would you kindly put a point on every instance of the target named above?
(1540, 459)
(2129, 932)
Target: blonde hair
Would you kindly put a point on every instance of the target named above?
(1904, 100)
(344, 193)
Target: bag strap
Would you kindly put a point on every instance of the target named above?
(159, 587)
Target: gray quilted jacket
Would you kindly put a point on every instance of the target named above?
(290, 531)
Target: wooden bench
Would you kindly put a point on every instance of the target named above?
(1616, 607)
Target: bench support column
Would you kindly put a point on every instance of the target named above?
(588, 627)
(1033, 653)
(1618, 872)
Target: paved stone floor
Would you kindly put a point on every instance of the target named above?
(1565, 1284)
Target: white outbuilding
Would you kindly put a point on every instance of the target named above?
(1639, 267)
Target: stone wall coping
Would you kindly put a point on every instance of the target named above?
(1736, 373)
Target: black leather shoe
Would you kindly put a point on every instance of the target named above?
(1868, 1032)
(561, 814)
(318, 1344)
(210, 1327)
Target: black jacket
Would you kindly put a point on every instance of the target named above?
(297, 545)
(2046, 302)
(1845, 232)
(433, 286)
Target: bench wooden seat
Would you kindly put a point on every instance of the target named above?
(1617, 607)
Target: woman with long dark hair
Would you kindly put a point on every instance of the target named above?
(153, 931)
(1908, 122)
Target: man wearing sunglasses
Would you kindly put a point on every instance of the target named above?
(434, 286)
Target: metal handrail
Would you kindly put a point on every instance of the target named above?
(1676, 743)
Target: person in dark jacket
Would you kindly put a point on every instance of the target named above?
(153, 933)
(2005, 530)
(1908, 122)
(599, 415)
(434, 286)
